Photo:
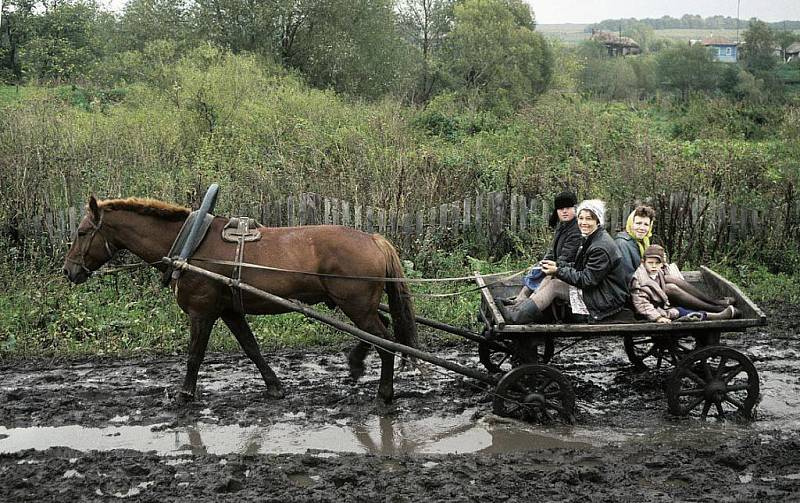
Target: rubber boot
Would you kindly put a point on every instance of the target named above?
(522, 295)
(523, 313)
(728, 313)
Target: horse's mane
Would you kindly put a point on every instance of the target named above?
(149, 207)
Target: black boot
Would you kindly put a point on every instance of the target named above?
(522, 313)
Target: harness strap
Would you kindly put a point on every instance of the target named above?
(244, 223)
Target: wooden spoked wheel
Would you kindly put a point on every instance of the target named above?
(656, 351)
(716, 381)
(535, 393)
(502, 356)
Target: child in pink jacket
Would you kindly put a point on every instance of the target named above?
(650, 293)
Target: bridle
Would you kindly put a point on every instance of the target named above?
(110, 249)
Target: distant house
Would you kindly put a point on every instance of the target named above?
(723, 49)
(615, 44)
(793, 52)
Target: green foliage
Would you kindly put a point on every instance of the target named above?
(759, 47)
(688, 69)
(496, 60)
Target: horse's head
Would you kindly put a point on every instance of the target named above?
(90, 248)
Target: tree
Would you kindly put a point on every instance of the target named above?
(424, 24)
(687, 68)
(15, 31)
(758, 52)
(145, 21)
(62, 43)
(495, 56)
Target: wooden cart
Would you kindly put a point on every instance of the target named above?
(708, 378)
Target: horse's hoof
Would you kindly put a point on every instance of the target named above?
(275, 393)
(356, 372)
(184, 397)
(386, 398)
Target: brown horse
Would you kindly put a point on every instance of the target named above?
(147, 229)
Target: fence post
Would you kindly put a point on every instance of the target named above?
(467, 214)
(357, 222)
(346, 213)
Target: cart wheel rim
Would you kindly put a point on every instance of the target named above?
(536, 393)
(714, 381)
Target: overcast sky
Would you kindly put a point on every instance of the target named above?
(593, 11)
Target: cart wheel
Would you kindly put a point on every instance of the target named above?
(714, 379)
(535, 393)
(655, 351)
(510, 354)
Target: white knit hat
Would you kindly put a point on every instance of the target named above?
(596, 206)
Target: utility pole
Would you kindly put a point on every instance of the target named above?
(738, 2)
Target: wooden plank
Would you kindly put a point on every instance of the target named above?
(369, 221)
(523, 213)
(72, 218)
(346, 213)
(357, 221)
(497, 214)
(723, 287)
(336, 211)
(420, 217)
(291, 218)
(382, 221)
(478, 212)
(407, 230)
(433, 216)
(488, 300)
(443, 210)
(467, 214)
(326, 209)
(514, 213)
(391, 228)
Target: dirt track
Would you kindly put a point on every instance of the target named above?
(330, 440)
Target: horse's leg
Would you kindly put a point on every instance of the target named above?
(200, 331)
(239, 327)
(372, 323)
(355, 359)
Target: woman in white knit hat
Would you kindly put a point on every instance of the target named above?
(595, 284)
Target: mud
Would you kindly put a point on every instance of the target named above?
(109, 429)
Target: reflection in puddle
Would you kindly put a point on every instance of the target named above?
(457, 434)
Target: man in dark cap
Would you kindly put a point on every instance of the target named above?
(566, 241)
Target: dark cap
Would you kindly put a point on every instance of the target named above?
(655, 251)
(566, 199)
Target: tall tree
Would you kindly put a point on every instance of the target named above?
(62, 43)
(494, 54)
(145, 21)
(424, 24)
(759, 48)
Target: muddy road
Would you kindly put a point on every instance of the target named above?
(108, 429)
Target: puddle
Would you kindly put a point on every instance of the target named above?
(436, 435)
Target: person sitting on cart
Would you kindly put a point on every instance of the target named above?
(566, 240)
(636, 237)
(656, 299)
(594, 285)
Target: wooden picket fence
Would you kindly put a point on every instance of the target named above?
(684, 223)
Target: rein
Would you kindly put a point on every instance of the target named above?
(376, 279)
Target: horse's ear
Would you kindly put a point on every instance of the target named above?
(94, 209)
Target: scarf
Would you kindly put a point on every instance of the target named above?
(645, 241)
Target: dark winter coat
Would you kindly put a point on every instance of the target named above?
(566, 241)
(629, 251)
(599, 273)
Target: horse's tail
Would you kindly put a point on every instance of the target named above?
(401, 306)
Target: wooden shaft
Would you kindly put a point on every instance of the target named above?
(356, 332)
